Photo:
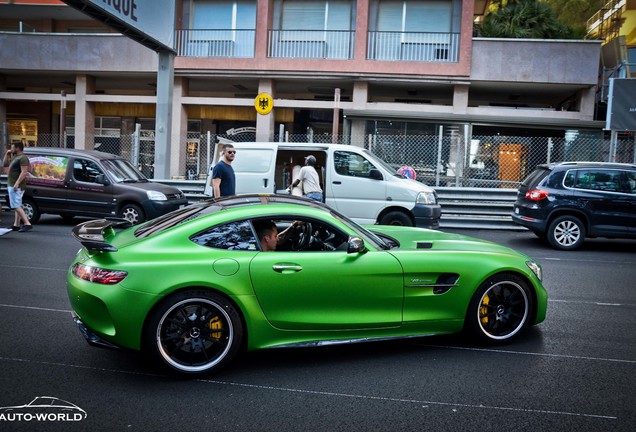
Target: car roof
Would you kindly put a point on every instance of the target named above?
(255, 199)
(584, 164)
(53, 151)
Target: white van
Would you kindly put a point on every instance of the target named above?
(354, 181)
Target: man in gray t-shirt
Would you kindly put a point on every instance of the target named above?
(309, 179)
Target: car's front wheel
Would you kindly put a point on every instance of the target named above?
(566, 233)
(499, 309)
(396, 218)
(194, 332)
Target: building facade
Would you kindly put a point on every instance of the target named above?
(398, 76)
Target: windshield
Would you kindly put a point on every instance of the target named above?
(382, 163)
(367, 235)
(122, 171)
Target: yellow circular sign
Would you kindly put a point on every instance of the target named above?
(264, 103)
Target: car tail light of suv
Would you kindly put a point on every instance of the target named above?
(536, 194)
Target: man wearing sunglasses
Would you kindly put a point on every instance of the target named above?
(223, 179)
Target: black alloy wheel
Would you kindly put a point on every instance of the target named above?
(194, 332)
(499, 309)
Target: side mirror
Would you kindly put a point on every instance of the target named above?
(356, 245)
(101, 179)
(375, 174)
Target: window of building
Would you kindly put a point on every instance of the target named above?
(223, 15)
(316, 15)
(431, 16)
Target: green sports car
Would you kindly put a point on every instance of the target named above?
(196, 286)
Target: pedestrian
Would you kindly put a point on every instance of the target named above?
(223, 180)
(308, 178)
(17, 172)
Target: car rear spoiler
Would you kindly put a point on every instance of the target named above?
(91, 234)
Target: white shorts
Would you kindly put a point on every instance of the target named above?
(15, 197)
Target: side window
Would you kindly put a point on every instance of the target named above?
(303, 235)
(598, 179)
(352, 164)
(630, 182)
(231, 236)
(86, 171)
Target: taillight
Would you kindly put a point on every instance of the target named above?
(536, 195)
(98, 275)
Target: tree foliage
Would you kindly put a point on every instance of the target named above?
(532, 19)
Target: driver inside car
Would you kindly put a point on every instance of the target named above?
(270, 238)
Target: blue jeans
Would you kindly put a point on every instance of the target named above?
(316, 196)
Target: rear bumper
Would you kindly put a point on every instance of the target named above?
(529, 221)
(91, 337)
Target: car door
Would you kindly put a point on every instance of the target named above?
(599, 190)
(328, 290)
(352, 190)
(85, 195)
(47, 182)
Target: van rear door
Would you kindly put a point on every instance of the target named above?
(254, 167)
(47, 182)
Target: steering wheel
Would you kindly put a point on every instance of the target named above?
(304, 236)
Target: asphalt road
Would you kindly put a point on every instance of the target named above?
(576, 371)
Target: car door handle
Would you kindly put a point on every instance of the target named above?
(337, 182)
(287, 268)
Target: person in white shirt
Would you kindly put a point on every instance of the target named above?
(309, 179)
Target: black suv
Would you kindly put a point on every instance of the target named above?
(567, 202)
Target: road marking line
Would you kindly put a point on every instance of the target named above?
(410, 401)
(566, 356)
(35, 308)
(32, 268)
(324, 393)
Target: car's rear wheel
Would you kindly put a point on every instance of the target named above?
(132, 213)
(194, 332)
(31, 210)
(566, 233)
(499, 309)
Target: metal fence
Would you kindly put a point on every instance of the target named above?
(449, 158)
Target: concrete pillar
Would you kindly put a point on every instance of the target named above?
(84, 112)
(460, 99)
(360, 98)
(265, 123)
(179, 128)
(587, 103)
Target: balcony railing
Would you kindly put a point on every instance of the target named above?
(215, 43)
(412, 46)
(322, 44)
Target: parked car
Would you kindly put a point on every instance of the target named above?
(354, 181)
(90, 183)
(567, 202)
(194, 287)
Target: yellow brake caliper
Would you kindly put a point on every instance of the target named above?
(483, 310)
(215, 324)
